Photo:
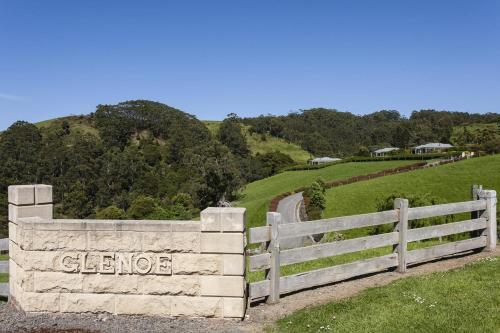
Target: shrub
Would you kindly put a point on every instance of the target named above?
(141, 207)
(111, 213)
(414, 200)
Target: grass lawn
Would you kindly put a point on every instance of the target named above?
(463, 300)
(451, 183)
(257, 195)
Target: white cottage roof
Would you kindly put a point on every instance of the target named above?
(385, 150)
(325, 159)
(434, 145)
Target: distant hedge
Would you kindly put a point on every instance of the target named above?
(421, 157)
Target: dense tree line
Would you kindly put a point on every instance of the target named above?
(137, 159)
(146, 160)
(331, 132)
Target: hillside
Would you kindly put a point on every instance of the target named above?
(265, 143)
(450, 183)
(257, 195)
(323, 131)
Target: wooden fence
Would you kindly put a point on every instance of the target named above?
(4, 267)
(482, 224)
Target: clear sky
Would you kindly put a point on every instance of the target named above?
(210, 58)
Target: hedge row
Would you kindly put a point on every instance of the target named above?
(273, 206)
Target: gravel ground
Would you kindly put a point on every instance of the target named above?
(258, 316)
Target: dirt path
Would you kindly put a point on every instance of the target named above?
(257, 317)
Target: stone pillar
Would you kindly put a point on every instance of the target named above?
(223, 232)
(30, 201)
(24, 201)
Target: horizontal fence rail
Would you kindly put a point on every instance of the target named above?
(481, 226)
(4, 267)
(446, 209)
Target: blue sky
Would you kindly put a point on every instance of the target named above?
(210, 58)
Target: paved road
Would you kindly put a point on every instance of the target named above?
(289, 208)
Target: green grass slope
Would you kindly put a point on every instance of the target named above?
(450, 182)
(463, 300)
(266, 144)
(257, 195)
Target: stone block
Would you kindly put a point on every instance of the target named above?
(21, 194)
(225, 219)
(40, 302)
(104, 283)
(186, 242)
(25, 279)
(58, 282)
(222, 243)
(45, 240)
(87, 303)
(113, 241)
(234, 307)
(197, 306)
(157, 241)
(13, 232)
(143, 225)
(43, 194)
(232, 286)
(186, 226)
(169, 285)
(143, 305)
(17, 212)
(203, 264)
(210, 219)
(72, 240)
(41, 260)
(234, 264)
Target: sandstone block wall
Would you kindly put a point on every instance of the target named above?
(166, 268)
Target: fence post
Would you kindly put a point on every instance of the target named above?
(491, 214)
(402, 228)
(476, 189)
(273, 273)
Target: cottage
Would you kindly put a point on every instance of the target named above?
(431, 148)
(323, 160)
(383, 151)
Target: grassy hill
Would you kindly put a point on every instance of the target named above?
(265, 143)
(476, 133)
(451, 182)
(257, 195)
(257, 143)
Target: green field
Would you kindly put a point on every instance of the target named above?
(463, 300)
(450, 183)
(257, 195)
(268, 145)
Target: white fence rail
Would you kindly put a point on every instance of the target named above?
(4, 267)
(483, 221)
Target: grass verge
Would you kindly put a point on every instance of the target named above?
(462, 300)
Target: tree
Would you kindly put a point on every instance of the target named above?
(231, 135)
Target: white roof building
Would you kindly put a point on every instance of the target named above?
(381, 152)
(430, 147)
(323, 160)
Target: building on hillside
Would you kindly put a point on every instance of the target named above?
(432, 148)
(383, 151)
(323, 160)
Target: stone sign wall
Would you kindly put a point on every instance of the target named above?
(168, 268)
